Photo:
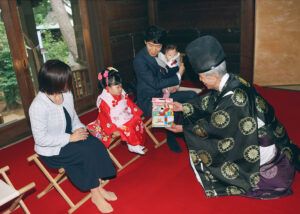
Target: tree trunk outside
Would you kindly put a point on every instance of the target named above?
(65, 25)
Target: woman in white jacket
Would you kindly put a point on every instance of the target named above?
(62, 140)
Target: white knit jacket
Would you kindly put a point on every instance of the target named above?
(48, 123)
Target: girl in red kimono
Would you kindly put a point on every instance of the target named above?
(118, 115)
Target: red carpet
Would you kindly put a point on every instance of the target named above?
(161, 182)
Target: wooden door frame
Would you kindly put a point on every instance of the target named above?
(16, 130)
(247, 41)
(88, 45)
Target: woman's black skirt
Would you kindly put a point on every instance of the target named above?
(85, 162)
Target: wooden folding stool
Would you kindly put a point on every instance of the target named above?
(148, 127)
(9, 193)
(115, 141)
(55, 183)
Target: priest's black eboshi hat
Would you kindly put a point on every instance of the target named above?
(205, 53)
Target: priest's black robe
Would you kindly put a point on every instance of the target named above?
(225, 132)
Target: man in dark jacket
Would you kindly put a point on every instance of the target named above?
(151, 81)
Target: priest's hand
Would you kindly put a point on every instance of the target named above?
(175, 128)
(177, 106)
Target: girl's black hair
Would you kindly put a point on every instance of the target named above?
(113, 78)
(55, 77)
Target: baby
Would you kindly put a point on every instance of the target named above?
(170, 61)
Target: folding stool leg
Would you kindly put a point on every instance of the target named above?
(148, 127)
(19, 200)
(14, 206)
(53, 182)
(79, 203)
(115, 160)
(114, 143)
(59, 179)
(132, 160)
(87, 197)
(22, 191)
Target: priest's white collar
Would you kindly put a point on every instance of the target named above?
(223, 81)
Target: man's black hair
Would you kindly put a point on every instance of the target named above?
(155, 34)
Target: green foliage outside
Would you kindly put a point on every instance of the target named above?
(8, 81)
(55, 48)
(41, 11)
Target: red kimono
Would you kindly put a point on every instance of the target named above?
(118, 113)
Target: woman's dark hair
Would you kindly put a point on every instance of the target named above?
(109, 77)
(155, 34)
(54, 77)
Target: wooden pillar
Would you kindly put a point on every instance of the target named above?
(31, 39)
(152, 12)
(16, 43)
(88, 45)
(247, 39)
(101, 22)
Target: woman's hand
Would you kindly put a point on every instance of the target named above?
(175, 128)
(79, 134)
(177, 106)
